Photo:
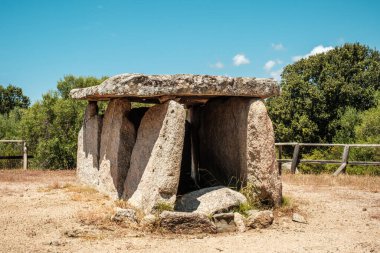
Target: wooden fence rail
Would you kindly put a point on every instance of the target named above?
(343, 162)
(24, 156)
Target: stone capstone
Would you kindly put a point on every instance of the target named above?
(237, 146)
(186, 223)
(167, 87)
(117, 141)
(154, 171)
(88, 146)
(210, 200)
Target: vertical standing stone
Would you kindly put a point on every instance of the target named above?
(223, 141)
(262, 169)
(117, 140)
(237, 146)
(156, 158)
(88, 146)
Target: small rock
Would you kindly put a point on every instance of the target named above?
(149, 221)
(298, 218)
(80, 232)
(73, 233)
(251, 212)
(364, 209)
(260, 219)
(124, 215)
(239, 222)
(186, 223)
(224, 222)
(210, 200)
(57, 243)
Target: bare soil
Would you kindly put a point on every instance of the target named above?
(48, 212)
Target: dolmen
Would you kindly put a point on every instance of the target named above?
(167, 138)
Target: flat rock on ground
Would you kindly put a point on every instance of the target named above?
(260, 219)
(181, 85)
(210, 200)
(224, 222)
(296, 217)
(186, 223)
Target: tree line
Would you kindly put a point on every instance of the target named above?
(332, 97)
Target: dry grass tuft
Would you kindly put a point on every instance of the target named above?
(40, 176)
(122, 204)
(53, 186)
(98, 217)
(366, 183)
(287, 208)
(85, 193)
(80, 189)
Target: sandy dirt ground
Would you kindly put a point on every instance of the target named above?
(49, 212)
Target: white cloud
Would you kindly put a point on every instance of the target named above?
(271, 63)
(297, 58)
(278, 47)
(316, 50)
(240, 59)
(276, 74)
(217, 65)
(319, 50)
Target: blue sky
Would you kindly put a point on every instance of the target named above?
(42, 41)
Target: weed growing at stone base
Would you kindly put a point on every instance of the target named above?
(287, 208)
(163, 206)
(243, 209)
(99, 217)
(251, 193)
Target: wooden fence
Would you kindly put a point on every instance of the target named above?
(24, 156)
(343, 162)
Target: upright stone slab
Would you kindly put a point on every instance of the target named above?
(237, 146)
(88, 146)
(262, 170)
(117, 141)
(156, 158)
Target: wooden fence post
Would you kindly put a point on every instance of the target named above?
(342, 167)
(295, 159)
(279, 158)
(25, 156)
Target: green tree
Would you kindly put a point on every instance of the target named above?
(368, 131)
(51, 125)
(346, 131)
(317, 91)
(12, 97)
(70, 82)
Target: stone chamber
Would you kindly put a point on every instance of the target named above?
(197, 136)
